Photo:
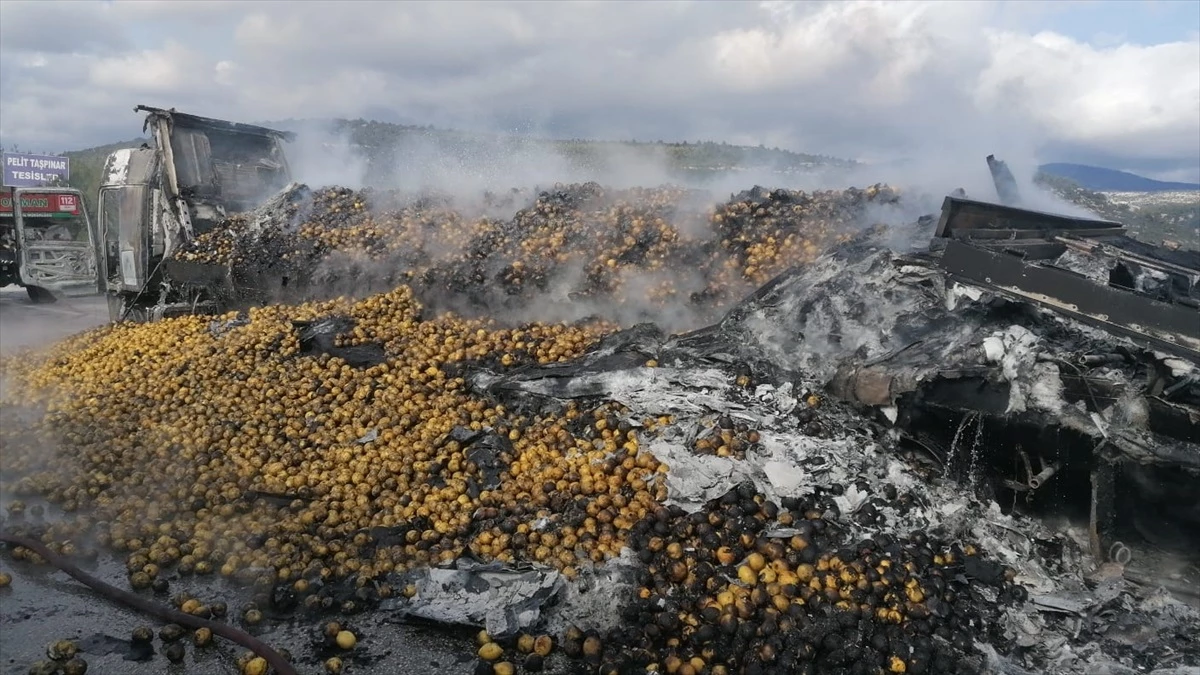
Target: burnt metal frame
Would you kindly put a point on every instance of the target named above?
(1156, 325)
(994, 247)
(197, 122)
(971, 219)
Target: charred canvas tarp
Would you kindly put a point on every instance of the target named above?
(1015, 401)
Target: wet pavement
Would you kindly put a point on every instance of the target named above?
(25, 324)
(43, 606)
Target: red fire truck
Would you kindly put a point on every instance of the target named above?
(47, 243)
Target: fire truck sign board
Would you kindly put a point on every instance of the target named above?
(42, 205)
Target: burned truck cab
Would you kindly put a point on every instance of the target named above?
(186, 181)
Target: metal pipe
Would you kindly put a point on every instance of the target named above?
(1189, 380)
(1044, 475)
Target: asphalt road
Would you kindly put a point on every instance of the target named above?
(25, 324)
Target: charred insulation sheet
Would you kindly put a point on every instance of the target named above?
(1053, 426)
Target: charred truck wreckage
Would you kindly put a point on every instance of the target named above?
(978, 455)
(988, 359)
(156, 198)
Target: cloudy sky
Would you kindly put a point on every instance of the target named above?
(1109, 83)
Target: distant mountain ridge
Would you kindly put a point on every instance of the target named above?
(383, 143)
(1110, 180)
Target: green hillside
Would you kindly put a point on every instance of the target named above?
(1178, 221)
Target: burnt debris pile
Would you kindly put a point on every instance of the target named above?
(838, 474)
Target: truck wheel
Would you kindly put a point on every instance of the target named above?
(40, 295)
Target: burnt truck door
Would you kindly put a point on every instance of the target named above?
(124, 216)
(130, 234)
(56, 241)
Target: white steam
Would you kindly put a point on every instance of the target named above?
(464, 166)
(461, 168)
(321, 156)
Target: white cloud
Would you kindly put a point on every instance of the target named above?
(34, 60)
(226, 73)
(846, 78)
(192, 10)
(59, 28)
(871, 53)
(151, 71)
(1143, 101)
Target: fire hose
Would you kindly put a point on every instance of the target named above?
(146, 606)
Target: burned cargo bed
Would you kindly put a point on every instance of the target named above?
(997, 327)
(1071, 452)
(1047, 363)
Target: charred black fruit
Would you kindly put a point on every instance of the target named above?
(171, 632)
